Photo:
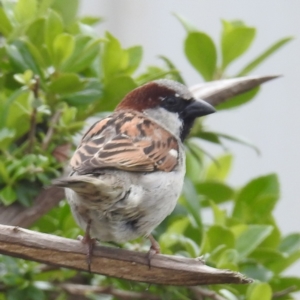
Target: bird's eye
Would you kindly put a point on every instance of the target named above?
(170, 101)
(173, 103)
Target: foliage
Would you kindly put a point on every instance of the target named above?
(54, 74)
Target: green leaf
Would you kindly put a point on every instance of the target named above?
(4, 174)
(290, 243)
(22, 59)
(201, 53)
(251, 238)
(209, 136)
(91, 20)
(67, 9)
(257, 199)
(175, 72)
(216, 236)
(194, 171)
(85, 51)
(239, 140)
(219, 169)
(28, 293)
(216, 253)
(281, 265)
(8, 195)
(53, 27)
(257, 61)
(91, 92)
(219, 214)
(282, 283)
(228, 260)
(35, 32)
(114, 58)
(134, 58)
(5, 25)
(178, 226)
(257, 291)
(115, 90)
(66, 83)
(5, 112)
(191, 202)
(189, 27)
(6, 136)
(266, 256)
(215, 190)
(63, 47)
(236, 39)
(195, 149)
(44, 5)
(41, 58)
(190, 246)
(239, 99)
(25, 10)
(255, 271)
(18, 108)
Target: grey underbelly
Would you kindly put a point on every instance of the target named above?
(146, 202)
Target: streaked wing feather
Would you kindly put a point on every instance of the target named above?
(126, 141)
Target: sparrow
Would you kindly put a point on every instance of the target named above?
(128, 171)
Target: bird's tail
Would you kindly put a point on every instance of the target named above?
(84, 185)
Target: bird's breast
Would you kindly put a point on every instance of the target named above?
(147, 199)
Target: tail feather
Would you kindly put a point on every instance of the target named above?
(82, 184)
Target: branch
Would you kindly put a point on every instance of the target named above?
(284, 292)
(216, 92)
(54, 120)
(18, 215)
(120, 263)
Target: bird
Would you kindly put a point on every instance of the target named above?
(128, 170)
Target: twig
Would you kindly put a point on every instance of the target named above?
(219, 91)
(165, 269)
(83, 290)
(31, 134)
(201, 293)
(18, 215)
(284, 292)
(50, 131)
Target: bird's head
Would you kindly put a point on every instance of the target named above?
(169, 103)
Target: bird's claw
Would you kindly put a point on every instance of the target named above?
(90, 242)
(154, 249)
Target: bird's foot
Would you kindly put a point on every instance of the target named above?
(90, 242)
(154, 249)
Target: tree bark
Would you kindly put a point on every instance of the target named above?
(115, 262)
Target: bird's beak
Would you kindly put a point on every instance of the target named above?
(198, 108)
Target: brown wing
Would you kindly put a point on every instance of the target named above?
(127, 141)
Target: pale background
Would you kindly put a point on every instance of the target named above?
(272, 121)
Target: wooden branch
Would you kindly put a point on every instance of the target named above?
(120, 263)
(216, 92)
(18, 215)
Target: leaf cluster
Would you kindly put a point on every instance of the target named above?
(54, 74)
